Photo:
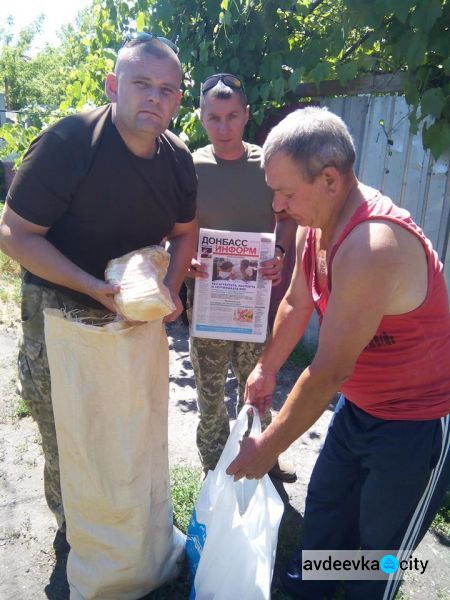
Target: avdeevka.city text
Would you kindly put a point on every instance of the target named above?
(361, 564)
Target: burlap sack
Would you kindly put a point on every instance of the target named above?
(110, 399)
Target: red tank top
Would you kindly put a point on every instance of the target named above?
(404, 372)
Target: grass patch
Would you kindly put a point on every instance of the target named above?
(21, 409)
(185, 483)
(441, 522)
(185, 486)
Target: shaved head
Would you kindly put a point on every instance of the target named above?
(152, 47)
(145, 93)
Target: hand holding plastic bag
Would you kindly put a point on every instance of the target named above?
(232, 538)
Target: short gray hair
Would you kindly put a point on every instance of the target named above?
(313, 137)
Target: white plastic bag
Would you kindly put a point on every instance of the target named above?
(232, 538)
(110, 400)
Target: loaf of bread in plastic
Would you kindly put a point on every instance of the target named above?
(140, 274)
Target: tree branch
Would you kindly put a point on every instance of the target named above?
(357, 44)
(365, 37)
(314, 5)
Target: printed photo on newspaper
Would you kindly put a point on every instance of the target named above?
(232, 303)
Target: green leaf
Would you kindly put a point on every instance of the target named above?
(234, 65)
(401, 9)
(321, 72)
(437, 138)
(413, 123)
(77, 89)
(110, 53)
(376, 12)
(212, 8)
(313, 54)
(264, 92)
(411, 92)
(336, 41)
(278, 89)
(264, 68)
(227, 18)
(224, 5)
(295, 79)
(446, 65)
(346, 72)
(426, 14)
(301, 8)
(276, 62)
(204, 53)
(140, 21)
(415, 54)
(367, 63)
(432, 102)
(113, 12)
(258, 117)
(251, 43)
(253, 95)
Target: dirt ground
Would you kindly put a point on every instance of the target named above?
(32, 569)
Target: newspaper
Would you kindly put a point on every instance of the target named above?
(233, 302)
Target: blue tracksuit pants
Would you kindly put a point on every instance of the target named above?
(377, 484)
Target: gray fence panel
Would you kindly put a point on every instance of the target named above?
(394, 161)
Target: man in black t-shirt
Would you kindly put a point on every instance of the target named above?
(93, 187)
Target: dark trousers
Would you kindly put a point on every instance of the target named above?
(377, 485)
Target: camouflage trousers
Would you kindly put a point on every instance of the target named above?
(34, 377)
(211, 360)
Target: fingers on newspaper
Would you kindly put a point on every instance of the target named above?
(232, 303)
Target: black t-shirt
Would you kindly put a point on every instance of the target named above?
(99, 200)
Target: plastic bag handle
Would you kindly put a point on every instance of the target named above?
(231, 448)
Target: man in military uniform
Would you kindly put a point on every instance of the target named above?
(93, 187)
(232, 195)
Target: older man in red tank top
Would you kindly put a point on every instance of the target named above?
(378, 287)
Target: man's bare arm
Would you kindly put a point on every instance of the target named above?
(25, 242)
(291, 321)
(365, 280)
